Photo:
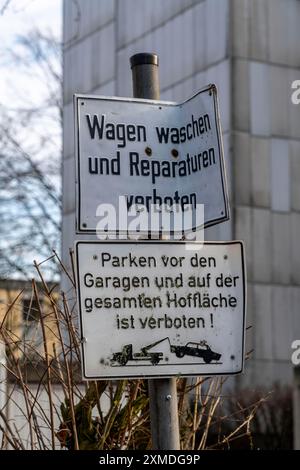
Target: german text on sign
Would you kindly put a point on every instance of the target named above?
(149, 154)
(152, 309)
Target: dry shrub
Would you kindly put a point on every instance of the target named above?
(47, 406)
(272, 425)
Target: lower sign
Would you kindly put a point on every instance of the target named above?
(161, 309)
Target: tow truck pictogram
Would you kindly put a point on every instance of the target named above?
(201, 349)
(127, 354)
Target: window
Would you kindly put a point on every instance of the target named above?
(30, 310)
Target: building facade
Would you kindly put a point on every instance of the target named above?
(250, 50)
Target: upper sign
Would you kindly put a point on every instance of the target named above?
(153, 309)
(141, 152)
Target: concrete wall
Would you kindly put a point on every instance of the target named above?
(250, 49)
(191, 39)
(266, 162)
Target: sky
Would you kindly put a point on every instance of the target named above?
(19, 87)
(21, 15)
(18, 17)
(21, 90)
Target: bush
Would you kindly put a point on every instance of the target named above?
(47, 405)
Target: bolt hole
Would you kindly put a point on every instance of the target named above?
(174, 153)
(148, 151)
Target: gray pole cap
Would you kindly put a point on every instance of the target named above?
(144, 58)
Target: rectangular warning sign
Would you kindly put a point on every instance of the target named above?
(167, 308)
(148, 154)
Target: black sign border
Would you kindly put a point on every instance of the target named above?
(160, 242)
(77, 97)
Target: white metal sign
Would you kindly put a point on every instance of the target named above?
(149, 153)
(152, 309)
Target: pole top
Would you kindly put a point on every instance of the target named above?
(143, 58)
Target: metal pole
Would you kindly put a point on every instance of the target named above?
(162, 392)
